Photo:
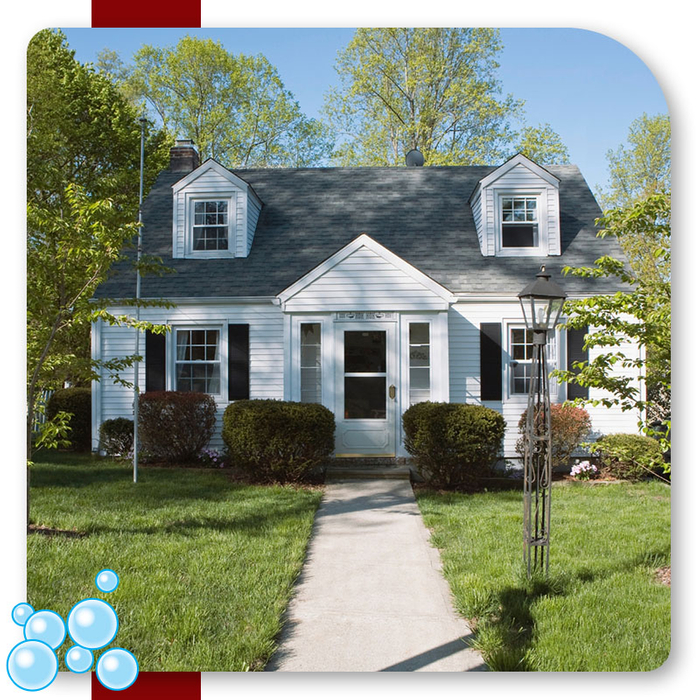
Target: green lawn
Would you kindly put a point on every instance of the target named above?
(600, 609)
(206, 565)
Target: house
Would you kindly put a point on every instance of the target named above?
(364, 289)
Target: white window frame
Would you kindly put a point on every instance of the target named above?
(327, 392)
(172, 361)
(540, 247)
(190, 200)
(555, 360)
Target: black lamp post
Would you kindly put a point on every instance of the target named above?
(541, 302)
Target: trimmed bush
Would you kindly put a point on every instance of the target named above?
(570, 425)
(629, 456)
(117, 437)
(175, 426)
(453, 445)
(277, 441)
(77, 402)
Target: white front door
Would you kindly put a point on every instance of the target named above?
(366, 389)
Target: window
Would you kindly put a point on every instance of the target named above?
(310, 363)
(519, 222)
(418, 362)
(521, 355)
(198, 361)
(210, 225)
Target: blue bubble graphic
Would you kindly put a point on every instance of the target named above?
(117, 669)
(92, 623)
(21, 613)
(32, 665)
(79, 659)
(107, 580)
(46, 626)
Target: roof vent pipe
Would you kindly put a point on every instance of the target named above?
(414, 158)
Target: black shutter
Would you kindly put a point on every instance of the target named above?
(155, 361)
(491, 362)
(575, 353)
(238, 365)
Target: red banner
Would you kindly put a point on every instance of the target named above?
(154, 13)
(173, 686)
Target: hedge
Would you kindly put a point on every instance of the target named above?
(277, 441)
(453, 445)
(629, 456)
(175, 426)
(117, 437)
(78, 402)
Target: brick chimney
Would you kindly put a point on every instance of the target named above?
(184, 156)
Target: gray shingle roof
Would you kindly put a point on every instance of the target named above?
(421, 214)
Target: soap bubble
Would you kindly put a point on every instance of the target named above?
(117, 669)
(46, 626)
(79, 659)
(92, 623)
(21, 613)
(107, 580)
(32, 665)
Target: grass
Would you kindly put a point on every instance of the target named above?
(206, 565)
(600, 609)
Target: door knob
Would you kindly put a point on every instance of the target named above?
(392, 392)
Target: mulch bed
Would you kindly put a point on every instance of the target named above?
(53, 532)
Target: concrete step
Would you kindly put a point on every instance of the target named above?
(371, 469)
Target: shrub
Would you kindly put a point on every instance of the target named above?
(570, 425)
(454, 445)
(175, 426)
(117, 436)
(77, 402)
(629, 456)
(277, 441)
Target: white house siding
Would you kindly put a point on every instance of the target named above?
(476, 206)
(364, 281)
(464, 320)
(266, 353)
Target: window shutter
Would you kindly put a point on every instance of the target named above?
(491, 362)
(575, 353)
(155, 361)
(238, 365)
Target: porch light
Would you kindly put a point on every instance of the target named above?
(541, 302)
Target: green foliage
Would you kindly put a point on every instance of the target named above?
(55, 433)
(453, 445)
(117, 437)
(175, 426)
(76, 402)
(277, 441)
(570, 425)
(641, 169)
(235, 108)
(431, 89)
(629, 456)
(640, 315)
(543, 145)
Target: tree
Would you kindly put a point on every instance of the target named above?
(434, 90)
(83, 151)
(235, 108)
(543, 145)
(643, 167)
(640, 314)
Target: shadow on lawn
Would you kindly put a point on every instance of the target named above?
(508, 634)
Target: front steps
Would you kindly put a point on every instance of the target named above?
(369, 468)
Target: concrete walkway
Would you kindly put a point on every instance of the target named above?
(371, 596)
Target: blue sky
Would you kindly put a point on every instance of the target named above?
(587, 86)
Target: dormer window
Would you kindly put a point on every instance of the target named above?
(519, 222)
(210, 230)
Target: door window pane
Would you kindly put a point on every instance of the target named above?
(419, 362)
(365, 351)
(365, 397)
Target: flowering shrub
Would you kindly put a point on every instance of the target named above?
(570, 425)
(212, 459)
(583, 471)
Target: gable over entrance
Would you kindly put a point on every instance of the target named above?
(365, 276)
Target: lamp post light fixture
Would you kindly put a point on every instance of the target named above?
(541, 302)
